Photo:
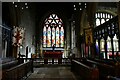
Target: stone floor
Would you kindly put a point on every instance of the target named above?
(52, 73)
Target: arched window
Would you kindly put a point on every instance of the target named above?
(102, 17)
(53, 32)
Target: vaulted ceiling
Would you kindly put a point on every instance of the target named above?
(43, 7)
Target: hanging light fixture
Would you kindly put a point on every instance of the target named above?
(25, 3)
(18, 0)
(74, 7)
(22, 6)
(79, 3)
(15, 5)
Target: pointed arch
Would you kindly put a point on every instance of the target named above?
(53, 31)
(103, 16)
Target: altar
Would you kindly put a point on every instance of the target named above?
(53, 55)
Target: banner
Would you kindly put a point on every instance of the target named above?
(88, 36)
(18, 36)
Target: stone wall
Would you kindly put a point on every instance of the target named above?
(0, 29)
(27, 21)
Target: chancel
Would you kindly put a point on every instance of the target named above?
(60, 40)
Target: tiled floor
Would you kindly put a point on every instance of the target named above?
(52, 73)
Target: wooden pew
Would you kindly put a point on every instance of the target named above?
(84, 71)
(18, 72)
(8, 65)
(106, 61)
(105, 70)
(113, 63)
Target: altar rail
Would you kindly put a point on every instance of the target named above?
(50, 61)
(38, 61)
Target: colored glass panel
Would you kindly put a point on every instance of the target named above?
(44, 37)
(97, 22)
(109, 48)
(102, 17)
(62, 37)
(115, 43)
(53, 32)
(102, 45)
(49, 37)
(102, 21)
(57, 37)
(53, 36)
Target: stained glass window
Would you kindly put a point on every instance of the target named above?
(97, 22)
(44, 37)
(109, 47)
(102, 17)
(102, 45)
(49, 37)
(62, 37)
(53, 36)
(115, 43)
(57, 37)
(53, 32)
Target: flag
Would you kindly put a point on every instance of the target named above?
(18, 36)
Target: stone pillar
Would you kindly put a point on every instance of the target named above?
(0, 29)
(67, 39)
(118, 7)
(105, 47)
(12, 12)
(77, 32)
(91, 10)
(0, 39)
